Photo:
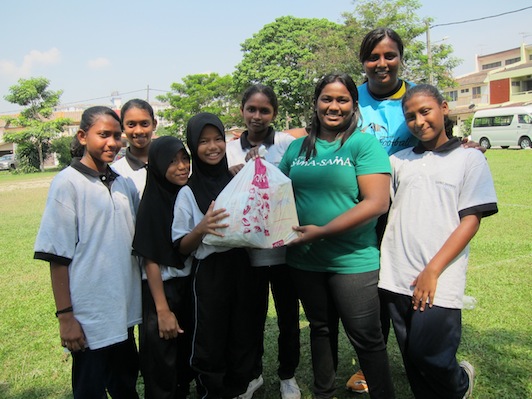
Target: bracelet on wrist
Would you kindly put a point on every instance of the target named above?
(65, 310)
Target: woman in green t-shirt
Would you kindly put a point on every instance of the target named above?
(341, 180)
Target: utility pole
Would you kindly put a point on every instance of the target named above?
(148, 93)
(429, 52)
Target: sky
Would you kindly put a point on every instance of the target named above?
(90, 49)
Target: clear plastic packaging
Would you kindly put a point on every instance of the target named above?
(469, 302)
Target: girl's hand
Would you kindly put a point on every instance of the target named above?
(71, 333)
(425, 288)
(210, 221)
(307, 234)
(168, 325)
(253, 154)
(235, 169)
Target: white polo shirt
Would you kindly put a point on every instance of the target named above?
(130, 167)
(431, 191)
(88, 226)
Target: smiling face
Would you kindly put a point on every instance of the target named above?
(425, 119)
(179, 169)
(102, 142)
(211, 145)
(258, 113)
(138, 127)
(382, 66)
(334, 108)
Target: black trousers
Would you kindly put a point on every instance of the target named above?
(165, 364)
(225, 340)
(287, 309)
(428, 342)
(353, 299)
(113, 369)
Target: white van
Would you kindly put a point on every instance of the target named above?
(505, 127)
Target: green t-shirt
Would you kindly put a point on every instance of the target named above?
(326, 186)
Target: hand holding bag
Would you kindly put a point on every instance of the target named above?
(261, 206)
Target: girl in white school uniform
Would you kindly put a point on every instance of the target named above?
(86, 234)
(440, 192)
(224, 284)
(259, 108)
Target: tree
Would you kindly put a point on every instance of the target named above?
(465, 128)
(290, 55)
(61, 146)
(401, 16)
(34, 120)
(200, 93)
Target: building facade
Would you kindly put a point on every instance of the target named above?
(501, 79)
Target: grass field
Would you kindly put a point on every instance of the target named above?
(497, 334)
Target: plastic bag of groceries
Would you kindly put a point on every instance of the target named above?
(261, 207)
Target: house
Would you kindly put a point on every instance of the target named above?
(501, 79)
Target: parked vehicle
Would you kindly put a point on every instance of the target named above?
(505, 127)
(8, 162)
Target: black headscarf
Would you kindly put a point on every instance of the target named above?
(206, 181)
(153, 230)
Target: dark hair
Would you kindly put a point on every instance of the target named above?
(309, 143)
(90, 115)
(375, 37)
(260, 88)
(76, 148)
(430, 91)
(137, 103)
(425, 89)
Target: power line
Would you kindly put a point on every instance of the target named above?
(480, 19)
(117, 95)
(91, 99)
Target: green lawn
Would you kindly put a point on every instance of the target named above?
(497, 334)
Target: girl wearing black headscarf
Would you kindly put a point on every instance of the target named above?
(224, 283)
(166, 330)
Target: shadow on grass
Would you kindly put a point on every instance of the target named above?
(502, 359)
(32, 393)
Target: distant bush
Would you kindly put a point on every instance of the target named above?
(61, 146)
(465, 129)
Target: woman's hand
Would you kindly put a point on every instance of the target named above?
(472, 144)
(306, 234)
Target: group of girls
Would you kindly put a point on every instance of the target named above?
(199, 320)
(204, 307)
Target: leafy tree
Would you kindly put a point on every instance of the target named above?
(401, 16)
(61, 146)
(465, 127)
(200, 93)
(29, 157)
(36, 127)
(290, 55)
